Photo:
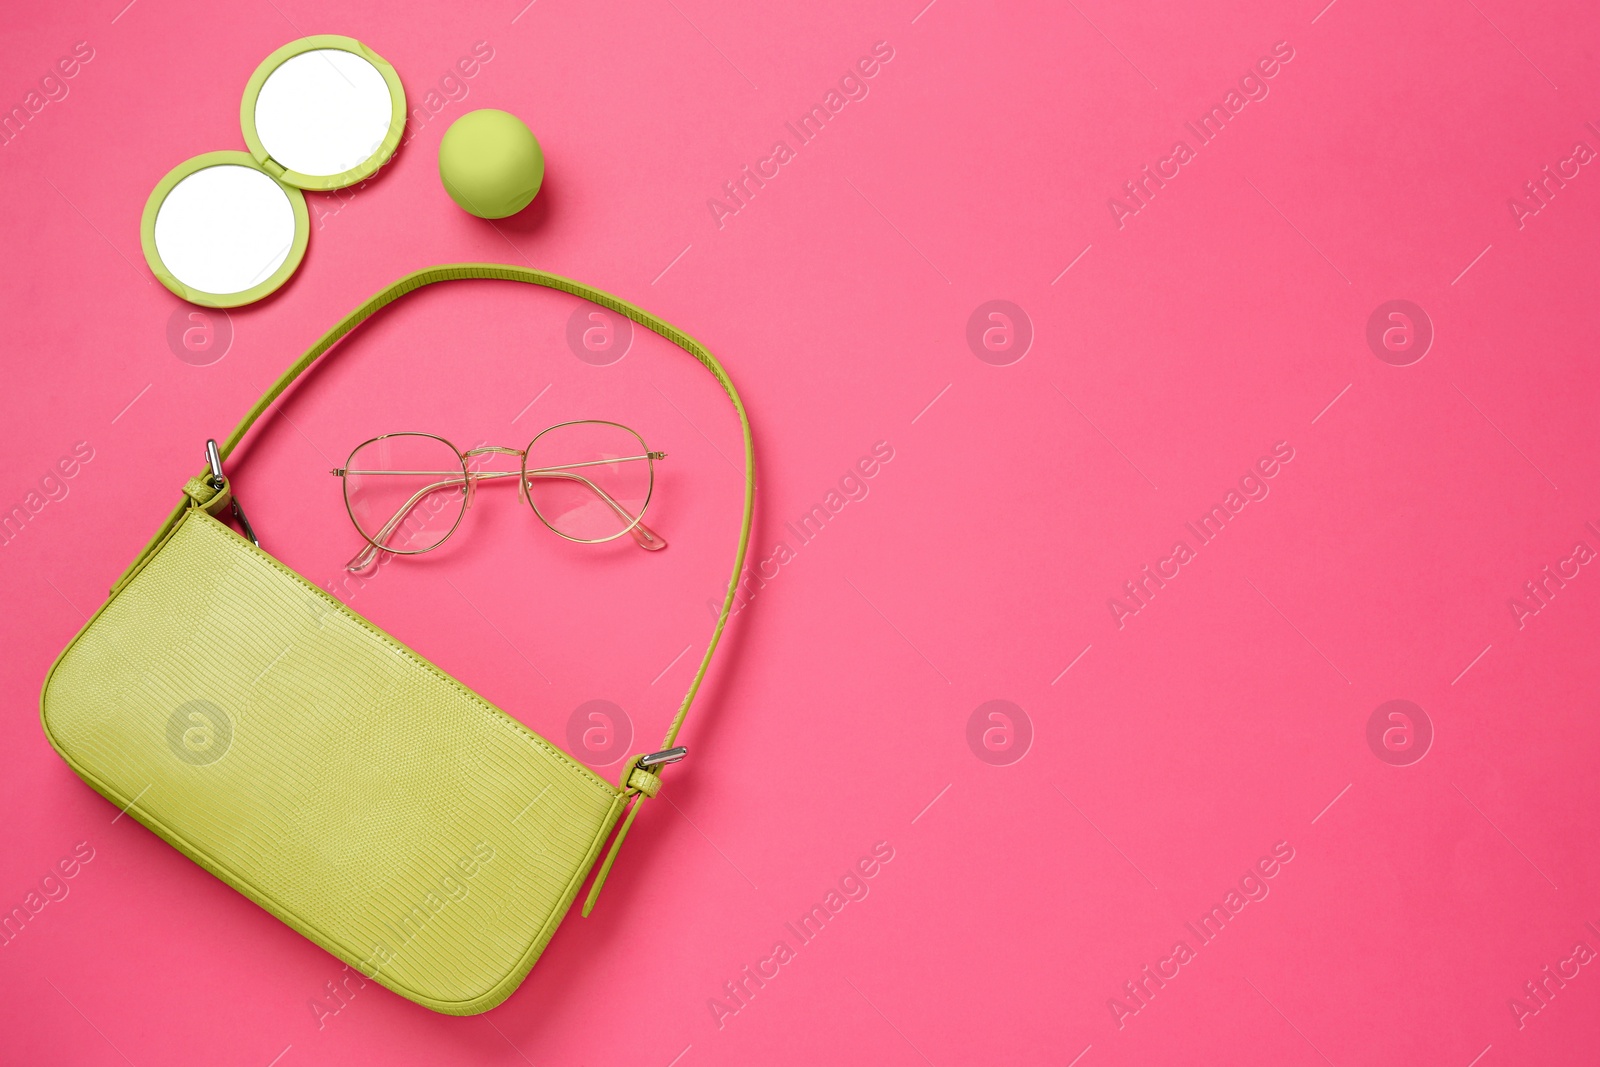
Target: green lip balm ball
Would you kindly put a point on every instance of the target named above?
(490, 163)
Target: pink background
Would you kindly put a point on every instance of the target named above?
(1228, 715)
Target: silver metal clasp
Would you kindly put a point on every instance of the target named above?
(665, 756)
(214, 461)
(218, 480)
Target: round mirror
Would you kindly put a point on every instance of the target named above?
(225, 228)
(323, 112)
(220, 231)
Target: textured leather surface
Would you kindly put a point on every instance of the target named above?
(327, 772)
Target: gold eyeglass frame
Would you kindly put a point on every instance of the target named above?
(643, 535)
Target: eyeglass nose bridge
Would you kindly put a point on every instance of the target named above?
(483, 450)
(493, 450)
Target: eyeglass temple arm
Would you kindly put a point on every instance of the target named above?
(643, 535)
(363, 559)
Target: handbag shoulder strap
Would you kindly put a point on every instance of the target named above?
(504, 272)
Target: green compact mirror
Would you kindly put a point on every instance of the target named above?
(227, 228)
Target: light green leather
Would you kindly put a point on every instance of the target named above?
(321, 768)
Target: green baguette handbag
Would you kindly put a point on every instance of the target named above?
(326, 771)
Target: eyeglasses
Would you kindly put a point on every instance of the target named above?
(588, 481)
